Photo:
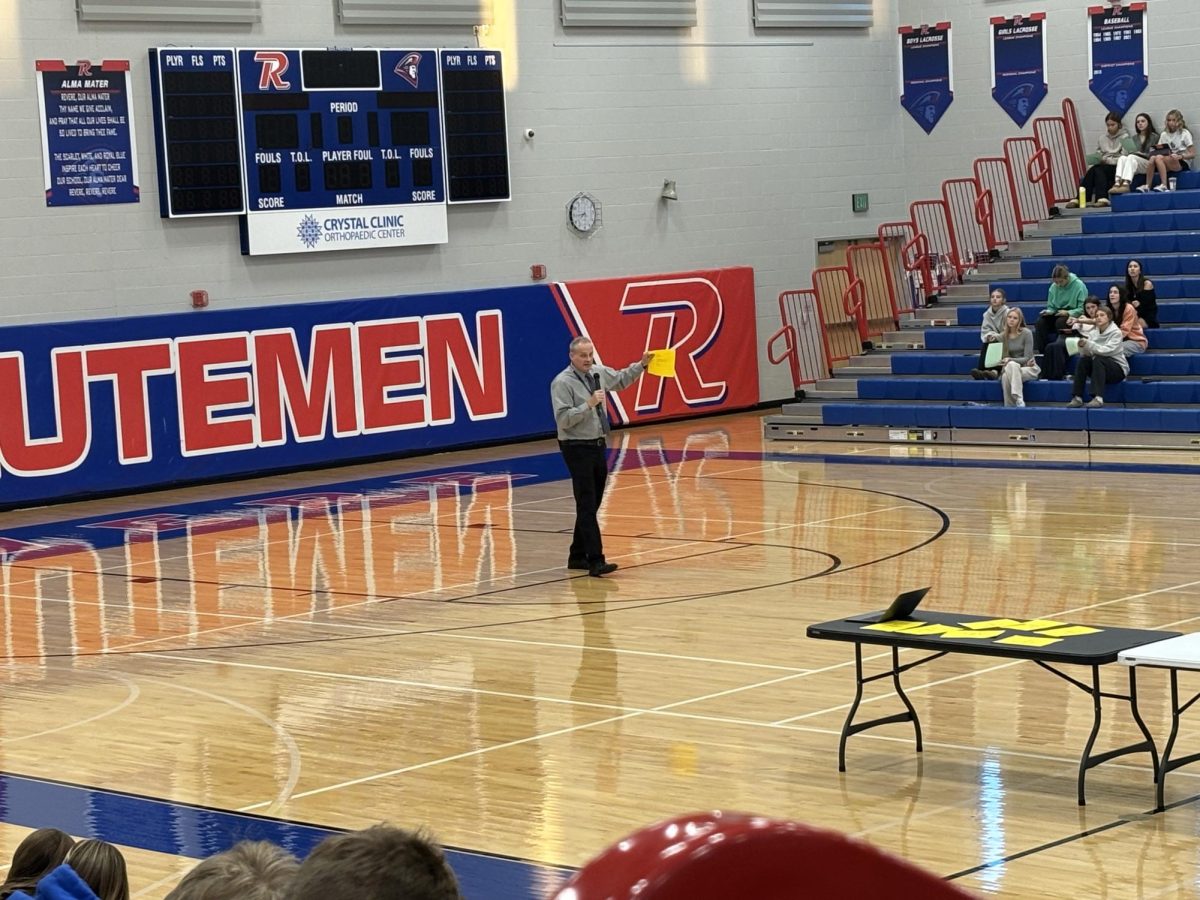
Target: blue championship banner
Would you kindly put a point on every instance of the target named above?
(88, 142)
(1019, 64)
(926, 83)
(1117, 54)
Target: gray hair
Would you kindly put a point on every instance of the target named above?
(251, 870)
(578, 342)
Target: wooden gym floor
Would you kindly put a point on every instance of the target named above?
(400, 641)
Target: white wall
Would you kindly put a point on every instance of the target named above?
(749, 128)
(975, 125)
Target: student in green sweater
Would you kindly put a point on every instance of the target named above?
(1065, 298)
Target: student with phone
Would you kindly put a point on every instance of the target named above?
(1064, 346)
(1101, 358)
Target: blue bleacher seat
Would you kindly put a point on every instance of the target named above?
(1056, 417)
(1143, 365)
(890, 414)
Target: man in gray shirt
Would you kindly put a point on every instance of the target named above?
(577, 396)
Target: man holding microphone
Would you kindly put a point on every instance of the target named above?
(577, 395)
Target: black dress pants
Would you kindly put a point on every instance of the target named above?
(1045, 328)
(1098, 180)
(1102, 370)
(587, 461)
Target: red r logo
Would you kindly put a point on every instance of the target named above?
(85, 68)
(274, 64)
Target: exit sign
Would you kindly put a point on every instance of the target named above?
(859, 202)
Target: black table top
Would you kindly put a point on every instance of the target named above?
(1047, 640)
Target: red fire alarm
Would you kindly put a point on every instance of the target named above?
(537, 272)
(199, 299)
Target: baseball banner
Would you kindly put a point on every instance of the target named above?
(1118, 61)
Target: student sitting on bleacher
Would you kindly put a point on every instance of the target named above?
(1064, 299)
(1101, 358)
(1056, 354)
(1102, 162)
(1145, 139)
(1018, 364)
(990, 332)
(1140, 291)
(1126, 317)
(1176, 140)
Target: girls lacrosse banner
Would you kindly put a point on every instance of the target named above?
(1019, 64)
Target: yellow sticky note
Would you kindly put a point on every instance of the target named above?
(989, 624)
(663, 364)
(926, 630)
(1028, 640)
(1070, 631)
(972, 633)
(894, 625)
(1036, 625)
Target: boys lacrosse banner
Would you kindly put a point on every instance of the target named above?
(1117, 54)
(926, 83)
(1019, 64)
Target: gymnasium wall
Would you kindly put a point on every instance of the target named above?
(765, 136)
(975, 125)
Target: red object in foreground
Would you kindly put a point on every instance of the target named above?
(721, 855)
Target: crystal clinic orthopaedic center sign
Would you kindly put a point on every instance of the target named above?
(88, 142)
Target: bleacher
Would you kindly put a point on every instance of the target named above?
(913, 383)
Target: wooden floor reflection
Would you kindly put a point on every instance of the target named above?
(407, 646)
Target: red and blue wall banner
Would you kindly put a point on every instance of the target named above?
(127, 404)
(1118, 58)
(89, 146)
(1019, 64)
(926, 80)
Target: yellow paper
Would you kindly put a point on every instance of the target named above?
(1028, 640)
(925, 630)
(990, 624)
(663, 364)
(1071, 631)
(1037, 625)
(894, 625)
(972, 633)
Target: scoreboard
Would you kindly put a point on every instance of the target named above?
(329, 149)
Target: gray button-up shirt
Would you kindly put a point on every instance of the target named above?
(569, 392)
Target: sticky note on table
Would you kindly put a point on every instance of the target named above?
(1070, 631)
(1037, 625)
(972, 633)
(989, 624)
(1029, 640)
(893, 625)
(663, 364)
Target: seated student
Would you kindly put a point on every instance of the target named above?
(1056, 354)
(1140, 291)
(1136, 163)
(990, 331)
(40, 852)
(250, 870)
(1176, 141)
(1113, 144)
(94, 870)
(1125, 315)
(379, 863)
(1065, 298)
(1101, 359)
(1017, 365)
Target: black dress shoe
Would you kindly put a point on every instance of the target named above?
(577, 563)
(604, 568)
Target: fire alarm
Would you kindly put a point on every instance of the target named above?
(537, 272)
(199, 299)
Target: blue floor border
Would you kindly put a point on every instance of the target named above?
(183, 829)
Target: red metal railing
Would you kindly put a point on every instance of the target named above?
(842, 305)
(804, 338)
(1032, 204)
(1051, 135)
(962, 197)
(869, 264)
(932, 218)
(995, 176)
(1074, 137)
(907, 252)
